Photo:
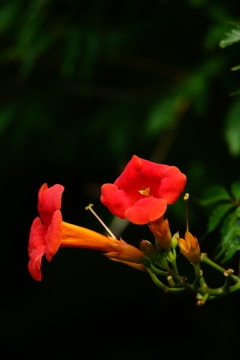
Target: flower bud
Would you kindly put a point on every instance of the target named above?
(189, 247)
(162, 233)
(148, 249)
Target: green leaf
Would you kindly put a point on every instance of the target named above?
(8, 15)
(232, 130)
(231, 251)
(238, 211)
(235, 189)
(237, 67)
(230, 237)
(164, 113)
(215, 194)
(217, 215)
(230, 38)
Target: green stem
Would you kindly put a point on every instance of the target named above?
(165, 288)
(172, 258)
(205, 259)
(157, 271)
(203, 300)
(198, 274)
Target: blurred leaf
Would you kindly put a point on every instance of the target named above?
(8, 14)
(71, 52)
(213, 35)
(214, 195)
(230, 252)
(235, 189)
(6, 117)
(217, 215)
(237, 92)
(235, 68)
(231, 37)
(238, 211)
(232, 130)
(161, 115)
(230, 238)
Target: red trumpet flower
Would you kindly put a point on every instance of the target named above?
(49, 232)
(143, 191)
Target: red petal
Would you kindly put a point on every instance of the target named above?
(37, 235)
(116, 200)
(43, 188)
(172, 184)
(53, 235)
(140, 174)
(146, 210)
(34, 265)
(49, 200)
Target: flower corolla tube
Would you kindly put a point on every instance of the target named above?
(48, 232)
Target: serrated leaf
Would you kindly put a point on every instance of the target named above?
(230, 38)
(237, 67)
(229, 254)
(235, 190)
(217, 215)
(230, 237)
(215, 194)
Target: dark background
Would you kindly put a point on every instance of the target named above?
(84, 86)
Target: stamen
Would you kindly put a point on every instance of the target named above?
(145, 192)
(186, 197)
(89, 207)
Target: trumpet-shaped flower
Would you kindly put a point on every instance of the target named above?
(189, 247)
(49, 232)
(143, 190)
(161, 231)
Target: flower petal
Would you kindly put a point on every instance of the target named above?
(146, 210)
(183, 244)
(49, 200)
(138, 175)
(172, 184)
(54, 235)
(116, 200)
(37, 235)
(34, 265)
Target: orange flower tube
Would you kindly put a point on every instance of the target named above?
(48, 232)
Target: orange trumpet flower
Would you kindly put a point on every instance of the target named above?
(48, 232)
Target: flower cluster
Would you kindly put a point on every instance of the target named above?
(141, 194)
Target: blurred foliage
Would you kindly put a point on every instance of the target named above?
(84, 86)
(226, 212)
(142, 73)
(231, 38)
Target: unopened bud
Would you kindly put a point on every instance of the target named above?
(148, 249)
(175, 240)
